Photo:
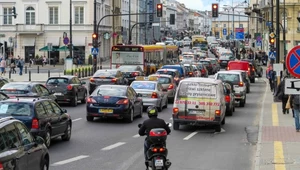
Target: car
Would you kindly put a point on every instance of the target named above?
(245, 79)
(208, 66)
(168, 83)
(173, 72)
(131, 72)
(215, 64)
(110, 76)
(152, 92)
(43, 117)
(199, 101)
(19, 149)
(229, 99)
(189, 70)
(3, 81)
(180, 68)
(114, 101)
(67, 89)
(27, 89)
(235, 79)
(243, 65)
(224, 59)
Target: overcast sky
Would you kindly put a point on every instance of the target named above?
(203, 5)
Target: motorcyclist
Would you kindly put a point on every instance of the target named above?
(151, 123)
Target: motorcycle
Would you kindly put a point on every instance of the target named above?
(158, 152)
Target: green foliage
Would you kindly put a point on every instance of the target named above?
(80, 69)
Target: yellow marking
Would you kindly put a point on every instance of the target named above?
(278, 156)
(274, 115)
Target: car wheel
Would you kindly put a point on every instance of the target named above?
(83, 100)
(67, 134)
(48, 138)
(176, 125)
(75, 100)
(130, 117)
(218, 128)
(141, 112)
(160, 107)
(45, 164)
(167, 102)
(89, 118)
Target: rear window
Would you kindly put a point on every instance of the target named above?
(58, 81)
(143, 85)
(15, 88)
(105, 74)
(164, 80)
(15, 109)
(167, 72)
(235, 78)
(197, 90)
(175, 68)
(102, 91)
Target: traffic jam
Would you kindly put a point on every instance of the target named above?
(203, 90)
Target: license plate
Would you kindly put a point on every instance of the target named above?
(196, 112)
(58, 94)
(224, 61)
(159, 163)
(106, 111)
(145, 95)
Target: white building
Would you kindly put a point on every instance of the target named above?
(135, 20)
(41, 22)
(125, 19)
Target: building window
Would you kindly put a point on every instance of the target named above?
(241, 26)
(217, 25)
(224, 26)
(79, 14)
(7, 20)
(53, 15)
(30, 16)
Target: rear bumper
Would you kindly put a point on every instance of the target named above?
(118, 112)
(150, 102)
(38, 132)
(65, 98)
(216, 121)
(240, 96)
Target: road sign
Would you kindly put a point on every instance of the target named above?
(106, 35)
(292, 86)
(278, 68)
(269, 24)
(239, 34)
(66, 40)
(293, 61)
(49, 46)
(224, 31)
(95, 51)
(272, 55)
(272, 35)
(258, 43)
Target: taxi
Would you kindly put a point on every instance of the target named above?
(152, 92)
(168, 83)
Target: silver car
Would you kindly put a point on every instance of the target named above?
(167, 83)
(153, 94)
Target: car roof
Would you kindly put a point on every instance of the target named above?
(8, 120)
(23, 82)
(68, 77)
(113, 86)
(168, 69)
(161, 75)
(202, 80)
(24, 99)
(176, 65)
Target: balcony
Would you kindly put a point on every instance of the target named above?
(30, 29)
(7, 28)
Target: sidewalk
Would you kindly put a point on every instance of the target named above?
(278, 142)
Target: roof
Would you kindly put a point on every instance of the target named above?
(166, 69)
(161, 75)
(226, 72)
(202, 80)
(23, 99)
(113, 86)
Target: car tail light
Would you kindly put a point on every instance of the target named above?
(135, 74)
(253, 69)
(92, 80)
(248, 68)
(153, 133)
(114, 80)
(202, 71)
(154, 95)
(227, 68)
(176, 78)
(218, 112)
(190, 73)
(171, 86)
(123, 101)
(69, 87)
(91, 100)
(241, 84)
(1, 166)
(35, 123)
(227, 99)
(175, 110)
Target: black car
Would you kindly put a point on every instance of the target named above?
(19, 149)
(102, 77)
(208, 66)
(67, 89)
(27, 89)
(131, 72)
(43, 117)
(229, 99)
(224, 59)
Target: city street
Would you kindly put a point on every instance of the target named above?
(115, 145)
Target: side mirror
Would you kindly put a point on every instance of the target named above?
(51, 91)
(83, 82)
(139, 95)
(169, 124)
(64, 110)
(164, 90)
(139, 125)
(39, 140)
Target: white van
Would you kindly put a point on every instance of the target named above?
(199, 101)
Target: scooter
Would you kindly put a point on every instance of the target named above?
(158, 152)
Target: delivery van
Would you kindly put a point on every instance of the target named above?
(199, 101)
(243, 65)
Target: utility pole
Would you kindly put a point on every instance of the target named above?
(129, 22)
(95, 31)
(113, 21)
(284, 33)
(71, 43)
(277, 32)
(146, 25)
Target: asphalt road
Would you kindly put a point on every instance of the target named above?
(115, 145)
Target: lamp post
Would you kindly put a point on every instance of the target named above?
(71, 37)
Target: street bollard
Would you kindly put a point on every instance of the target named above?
(72, 72)
(89, 71)
(65, 72)
(48, 73)
(25, 69)
(79, 73)
(29, 75)
(85, 72)
(38, 69)
(9, 74)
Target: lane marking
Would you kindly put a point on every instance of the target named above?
(190, 136)
(278, 156)
(171, 118)
(70, 160)
(136, 136)
(113, 146)
(74, 120)
(275, 115)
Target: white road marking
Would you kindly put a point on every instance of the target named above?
(70, 160)
(171, 118)
(190, 136)
(136, 136)
(74, 120)
(113, 146)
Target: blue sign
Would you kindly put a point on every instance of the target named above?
(95, 51)
(66, 40)
(269, 24)
(272, 55)
(240, 35)
(293, 61)
(224, 31)
(258, 43)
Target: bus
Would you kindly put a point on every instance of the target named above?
(148, 57)
(199, 41)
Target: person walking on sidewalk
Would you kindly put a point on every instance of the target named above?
(3, 66)
(20, 65)
(271, 75)
(295, 105)
(282, 96)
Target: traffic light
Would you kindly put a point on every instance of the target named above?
(95, 39)
(13, 11)
(215, 10)
(159, 10)
(172, 19)
(271, 41)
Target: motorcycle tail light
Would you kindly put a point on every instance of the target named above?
(154, 149)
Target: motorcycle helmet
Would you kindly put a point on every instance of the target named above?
(152, 111)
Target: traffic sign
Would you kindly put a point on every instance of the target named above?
(258, 43)
(292, 86)
(293, 61)
(272, 35)
(272, 55)
(239, 34)
(95, 51)
(224, 31)
(66, 40)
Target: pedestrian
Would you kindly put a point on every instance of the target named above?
(295, 105)
(3, 66)
(20, 64)
(271, 75)
(282, 96)
(12, 65)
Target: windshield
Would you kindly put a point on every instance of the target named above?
(143, 85)
(15, 109)
(225, 57)
(167, 72)
(226, 77)
(57, 81)
(105, 74)
(196, 90)
(104, 91)
(127, 68)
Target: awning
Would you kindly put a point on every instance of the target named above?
(28, 41)
(53, 40)
(54, 48)
(66, 48)
(78, 41)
